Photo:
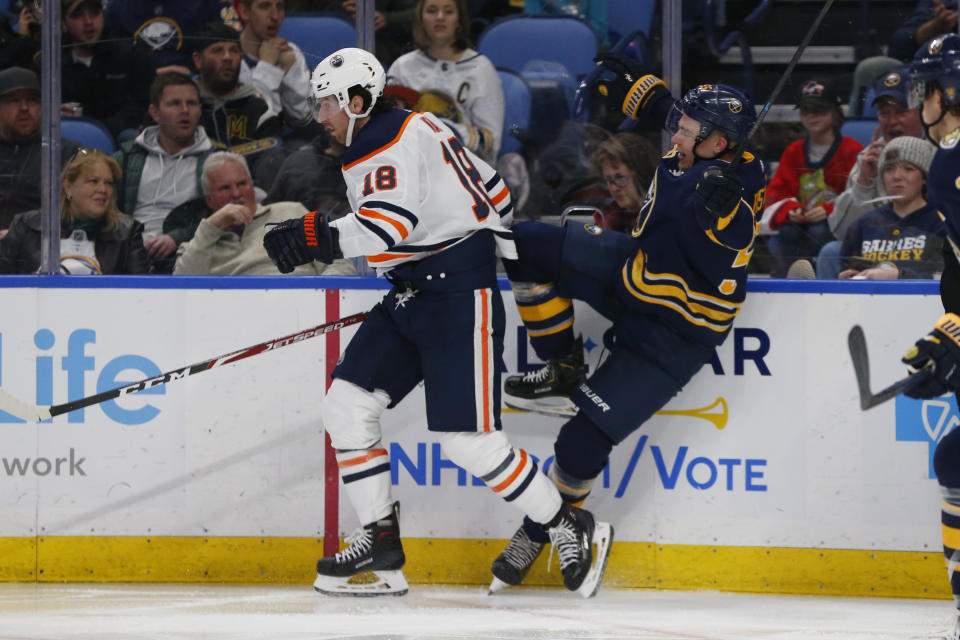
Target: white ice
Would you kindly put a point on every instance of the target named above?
(188, 612)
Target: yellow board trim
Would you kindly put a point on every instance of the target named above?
(254, 560)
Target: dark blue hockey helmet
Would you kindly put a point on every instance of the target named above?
(717, 107)
(937, 61)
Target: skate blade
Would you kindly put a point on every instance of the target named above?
(560, 408)
(602, 538)
(497, 585)
(361, 585)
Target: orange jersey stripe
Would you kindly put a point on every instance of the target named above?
(500, 196)
(513, 476)
(484, 338)
(384, 147)
(370, 213)
(386, 257)
(369, 455)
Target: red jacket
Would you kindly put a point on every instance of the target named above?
(799, 183)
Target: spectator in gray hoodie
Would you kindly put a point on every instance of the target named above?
(163, 165)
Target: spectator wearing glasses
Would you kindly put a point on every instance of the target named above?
(627, 162)
(95, 237)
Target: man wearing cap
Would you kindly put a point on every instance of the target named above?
(20, 143)
(864, 186)
(108, 78)
(233, 113)
(161, 28)
(811, 173)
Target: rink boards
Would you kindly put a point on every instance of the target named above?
(764, 476)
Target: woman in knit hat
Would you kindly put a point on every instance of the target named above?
(902, 238)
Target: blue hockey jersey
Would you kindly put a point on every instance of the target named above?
(943, 186)
(693, 280)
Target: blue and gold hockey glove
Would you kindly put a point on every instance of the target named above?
(718, 194)
(635, 88)
(301, 241)
(939, 350)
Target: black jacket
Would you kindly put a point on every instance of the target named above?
(119, 251)
(113, 89)
(20, 175)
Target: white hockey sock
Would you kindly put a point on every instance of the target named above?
(366, 479)
(510, 472)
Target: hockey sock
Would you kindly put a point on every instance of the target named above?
(582, 450)
(366, 479)
(573, 490)
(547, 316)
(510, 472)
(950, 529)
(946, 464)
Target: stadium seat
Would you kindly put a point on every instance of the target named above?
(515, 41)
(88, 132)
(860, 130)
(318, 35)
(627, 16)
(516, 114)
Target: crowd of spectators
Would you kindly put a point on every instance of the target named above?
(208, 107)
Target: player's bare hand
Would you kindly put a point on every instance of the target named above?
(815, 215)
(160, 247)
(231, 215)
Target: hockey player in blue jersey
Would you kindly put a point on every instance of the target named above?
(429, 215)
(671, 289)
(934, 88)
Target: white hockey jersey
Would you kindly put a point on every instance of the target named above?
(467, 94)
(414, 191)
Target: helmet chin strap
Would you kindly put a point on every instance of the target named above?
(353, 121)
(927, 126)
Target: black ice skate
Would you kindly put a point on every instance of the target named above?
(370, 566)
(513, 563)
(547, 390)
(573, 538)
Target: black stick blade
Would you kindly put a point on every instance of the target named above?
(857, 344)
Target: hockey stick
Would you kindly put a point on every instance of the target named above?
(857, 343)
(738, 157)
(31, 413)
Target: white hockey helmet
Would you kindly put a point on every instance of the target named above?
(339, 72)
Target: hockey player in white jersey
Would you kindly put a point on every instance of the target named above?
(429, 215)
